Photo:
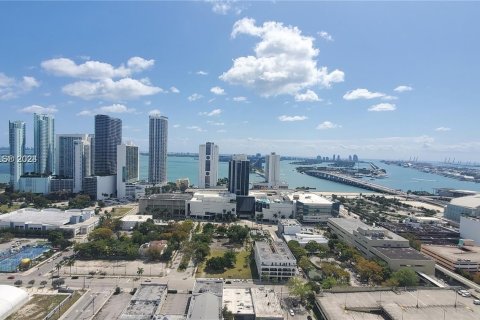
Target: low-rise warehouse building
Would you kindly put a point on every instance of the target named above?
(132, 220)
(465, 256)
(397, 305)
(266, 303)
(274, 260)
(463, 206)
(240, 303)
(145, 302)
(272, 205)
(11, 299)
(75, 221)
(207, 300)
(381, 243)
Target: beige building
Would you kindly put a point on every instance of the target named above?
(465, 257)
(274, 260)
(378, 242)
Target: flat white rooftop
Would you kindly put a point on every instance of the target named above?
(266, 303)
(289, 222)
(136, 218)
(472, 202)
(271, 251)
(309, 198)
(53, 217)
(238, 301)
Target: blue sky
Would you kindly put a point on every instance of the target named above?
(377, 79)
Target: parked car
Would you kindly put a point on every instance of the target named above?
(11, 277)
(291, 312)
(476, 301)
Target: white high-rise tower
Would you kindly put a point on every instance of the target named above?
(208, 165)
(272, 170)
(157, 140)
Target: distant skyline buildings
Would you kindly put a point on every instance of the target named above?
(128, 167)
(65, 153)
(157, 141)
(108, 135)
(44, 143)
(82, 161)
(16, 137)
(208, 156)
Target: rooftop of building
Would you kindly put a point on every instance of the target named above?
(278, 250)
(136, 218)
(309, 198)
(402, 253)
(238, 301)
(54, 217)
(376, 305)
(206, 301)
(455, 253)
(304, 238)
(145, 301)
(213, 195)
(266, 303)
(289, 223)
(169, 196)
(472, 202)
(371, 232)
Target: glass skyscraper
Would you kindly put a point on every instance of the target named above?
(108, 135)
(16, 137)
(157, 140)
(238, 175)
(44, 143)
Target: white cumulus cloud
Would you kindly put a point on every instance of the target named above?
(284, 61)
(11, 88)
(217, 90)
(109, 89)
(383, 107)
(224, 7)
(363, 94)
(194, 97)
(202, 73)
(214, 112)
(85, 113)
(292, 118)
(327, 125)
(174, 90)
(239, 99)
(403, 88)
(38, 109)
(116, 108)
(443, 129)
(196, 128)
(95, 69)
(307, 96)
(325, 35)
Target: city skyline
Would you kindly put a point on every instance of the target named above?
(400, 91)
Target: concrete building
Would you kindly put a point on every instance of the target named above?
(463, 206)
(100, 187)
(311, 208)
(208, 165)
(108, 135)
(470, 229)
(272, 205)
(266, 304)
(289, 226)
(130, 221)
(61, 185)
(239, 175)
(77, 221)
(210, 204)
(164, 205)
(274, 261)
(145, 302)
(423, 304)
(380, 243)
(207, 300)
(465, 256)
(34, 183)
(272, 170)
(16, 139)
(157, 156)
(128, 169)
(239, 302)
(183, 183)
(44, 143)
(65, 153)
(82, 162)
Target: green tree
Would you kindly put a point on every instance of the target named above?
(298, 288)
(230, 258)
(216, 264)
(406, 277)
(140, 271)
(100, 234)
(227, 314)
(305, 264)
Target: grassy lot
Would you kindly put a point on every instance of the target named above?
(5, 209)
(38, 307)
(120, 212)
(66, 306)
(240, 271)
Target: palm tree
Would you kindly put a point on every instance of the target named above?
(58, 266)
(140, 271)
(70, 263)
